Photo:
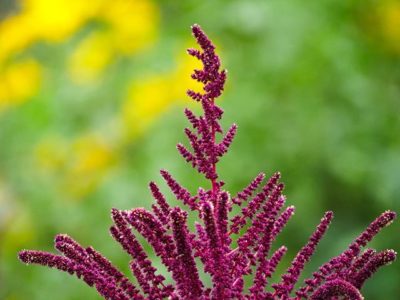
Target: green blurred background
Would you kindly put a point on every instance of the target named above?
(91, 100)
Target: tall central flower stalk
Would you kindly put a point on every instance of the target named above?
(243, 271)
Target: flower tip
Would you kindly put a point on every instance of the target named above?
(28, 256)
(178, 215)
(327, 218)
(387, 217)
(329, 214)
(391, 214)
(196, 30)
(390, 256)
(23, 256)
(114, 212)
(60, 237)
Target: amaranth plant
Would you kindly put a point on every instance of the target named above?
(261, 219)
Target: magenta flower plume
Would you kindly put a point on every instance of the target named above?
(235, 251)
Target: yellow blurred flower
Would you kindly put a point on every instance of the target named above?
(146, 100)
(38, 20)
(382, 21)
(91, 57)
(149, 98)
(133, 23)
(129, 27)
(90, 161)
(78, 165)
(43, 20)
(19, 81)
(389, 12)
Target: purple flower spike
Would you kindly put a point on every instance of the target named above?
(289, 279)
(378, 260)
(180, 192)
(337, 288)
(191, 287)
(248, 190)
(213, 248)
(47, 259)
(373, 229)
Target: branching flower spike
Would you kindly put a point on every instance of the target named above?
(237, 272)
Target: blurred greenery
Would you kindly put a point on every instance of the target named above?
(91, 98)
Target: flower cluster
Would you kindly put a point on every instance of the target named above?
(232, 250)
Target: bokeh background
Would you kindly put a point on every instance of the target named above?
(91, 100)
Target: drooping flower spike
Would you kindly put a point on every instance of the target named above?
(209, 249)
